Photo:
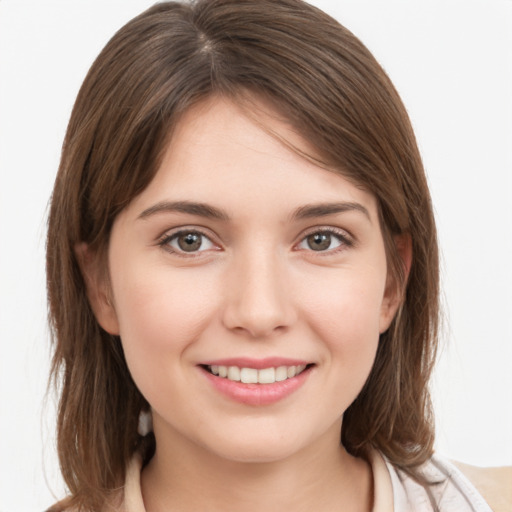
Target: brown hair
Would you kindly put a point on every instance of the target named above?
(324, 80)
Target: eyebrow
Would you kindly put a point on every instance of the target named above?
(325, 209)
(190, 207)
(211, 212)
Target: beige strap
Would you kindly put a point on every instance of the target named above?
(382, 486)
(132, 490)
(494, 484)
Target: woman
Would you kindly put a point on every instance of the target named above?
(242, 252)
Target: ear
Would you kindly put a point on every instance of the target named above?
(393, 294)
(97, 287)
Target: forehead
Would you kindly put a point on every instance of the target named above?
(228, 152)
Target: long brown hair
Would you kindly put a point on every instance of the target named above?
(324, 80)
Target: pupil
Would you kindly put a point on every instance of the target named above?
(189, 242)
(319, 241)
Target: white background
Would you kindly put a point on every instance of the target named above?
(452, 63)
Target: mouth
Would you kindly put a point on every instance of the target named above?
(248, 375)
(257, 382)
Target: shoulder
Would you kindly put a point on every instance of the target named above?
(440, 485)
(113, 504)
(494, 484)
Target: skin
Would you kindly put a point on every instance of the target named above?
(255, 288)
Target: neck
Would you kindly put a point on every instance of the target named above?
(323, 476)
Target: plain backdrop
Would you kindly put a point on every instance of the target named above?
(451, 62)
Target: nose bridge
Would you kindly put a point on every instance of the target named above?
(259, 301)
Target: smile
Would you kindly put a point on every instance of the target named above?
(256, 376)
(257, 382)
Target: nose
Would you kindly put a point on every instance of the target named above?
(259, 301)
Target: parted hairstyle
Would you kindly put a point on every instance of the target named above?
(327, 84)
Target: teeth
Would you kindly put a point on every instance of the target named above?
(249, 375)
(267, 376)
(281, 373)
(253, 376)
(234, 373)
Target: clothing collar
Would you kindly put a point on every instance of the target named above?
(382, 486)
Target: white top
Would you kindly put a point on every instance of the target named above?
(450, 491)
(394, 491)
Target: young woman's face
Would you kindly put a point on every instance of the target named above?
(243, 258)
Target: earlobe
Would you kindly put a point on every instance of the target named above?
(394, 293)
(97, 288)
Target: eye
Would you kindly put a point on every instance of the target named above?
(187, 242)
(324, 240)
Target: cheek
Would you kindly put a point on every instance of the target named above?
(346, 305)
(346, 318)
(160, 314)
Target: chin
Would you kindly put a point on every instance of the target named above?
(256, 455)
(261, 447)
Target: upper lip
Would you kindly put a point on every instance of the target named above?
(258, 364)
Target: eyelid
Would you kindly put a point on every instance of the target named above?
(164, 239)
(346, 239)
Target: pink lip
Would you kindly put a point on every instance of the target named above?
(258, 364)
(256, 394)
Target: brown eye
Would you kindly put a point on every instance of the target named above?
(188, 241)
(319, 241)
(325, 241)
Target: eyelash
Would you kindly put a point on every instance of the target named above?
(345, 241)
(167, 238)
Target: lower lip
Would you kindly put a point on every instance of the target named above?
(257, 394)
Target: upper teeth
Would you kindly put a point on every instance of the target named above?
(253, 376)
